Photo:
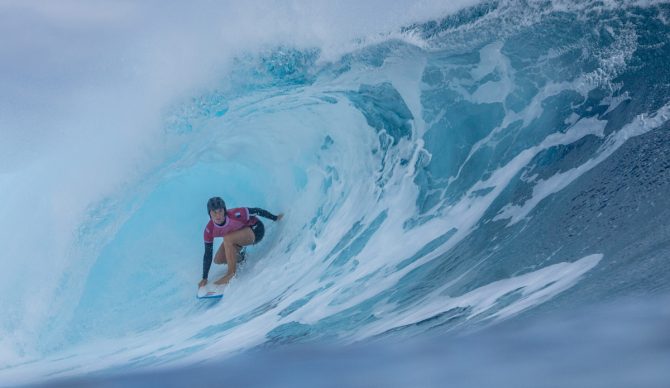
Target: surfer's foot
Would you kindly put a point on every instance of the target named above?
(242, 255)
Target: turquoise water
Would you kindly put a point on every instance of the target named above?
(443, 170)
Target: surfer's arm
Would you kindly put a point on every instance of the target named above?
(207, 259)
(256, 211)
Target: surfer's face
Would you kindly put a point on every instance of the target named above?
(218, 216)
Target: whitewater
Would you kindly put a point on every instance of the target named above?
(475, 192)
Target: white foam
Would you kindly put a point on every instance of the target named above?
(533, 288)
(544, 188)
(106, 140)
(493, 62)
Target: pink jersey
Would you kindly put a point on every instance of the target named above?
(236, 219)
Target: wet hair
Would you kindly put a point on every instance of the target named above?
(215, 203)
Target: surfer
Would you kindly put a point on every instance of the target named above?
(239, 227)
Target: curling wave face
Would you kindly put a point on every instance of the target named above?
(505, 159)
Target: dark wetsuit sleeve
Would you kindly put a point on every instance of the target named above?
(207, 259)
(256, 211)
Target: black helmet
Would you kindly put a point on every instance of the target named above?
(215, 203)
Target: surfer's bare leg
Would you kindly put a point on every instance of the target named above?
(220, 256)
(231, 246)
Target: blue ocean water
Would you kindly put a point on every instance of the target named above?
(474, 192)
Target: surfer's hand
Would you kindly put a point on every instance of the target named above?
(280, 216)
(202, 283)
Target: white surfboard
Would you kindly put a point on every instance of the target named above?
(206, 293)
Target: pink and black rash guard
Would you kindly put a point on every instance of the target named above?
(236, 219)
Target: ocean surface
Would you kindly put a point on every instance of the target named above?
(476, 193)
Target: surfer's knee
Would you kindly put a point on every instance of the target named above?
(240, 238)
(234, 241)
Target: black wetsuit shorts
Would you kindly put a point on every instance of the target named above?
(259, 231)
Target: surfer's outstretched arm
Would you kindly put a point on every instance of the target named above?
(256, 211)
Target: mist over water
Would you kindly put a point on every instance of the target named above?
(443, 169)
